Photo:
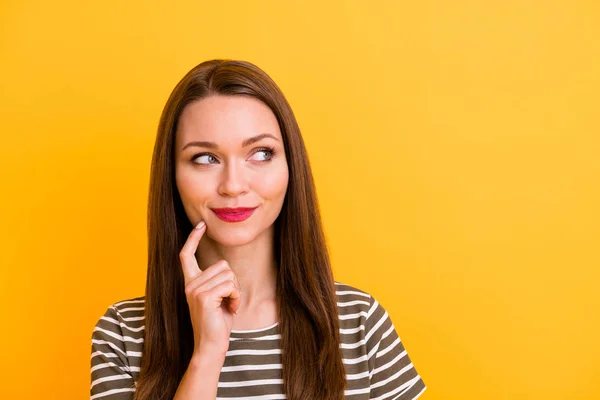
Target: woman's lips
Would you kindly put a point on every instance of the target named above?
(234, 214)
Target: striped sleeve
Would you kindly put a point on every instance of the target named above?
(111, 378)
(391, 372)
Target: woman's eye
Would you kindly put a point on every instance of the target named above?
(267, 154)
(205, 157)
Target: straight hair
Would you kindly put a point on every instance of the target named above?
(306, 300)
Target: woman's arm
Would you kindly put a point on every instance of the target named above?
(211, 322)
(392, 373)
(201, 378)
(111, 377)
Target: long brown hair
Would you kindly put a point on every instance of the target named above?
(306, 298)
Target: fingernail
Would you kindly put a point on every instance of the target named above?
(200, 225)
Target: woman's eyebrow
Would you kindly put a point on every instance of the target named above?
(245, 143)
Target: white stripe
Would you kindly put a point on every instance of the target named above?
(106, 365)
(132, 309)
(133, 318)
(109, 319)
(352, 377)
(388, 332)
(353, 292)
(390, 347)
(377, 325)
(111, 364)
(356, 391)
(252, 352)
(236, 368)
(352, 345)
(354, 360)
(352, 330)
(373, 350)
(269, 337)
(107, 355)
(139, 318)
(417, 395)
(110, 378)
(405, 387)
(122, 325)
(127, 354)
(127, 301)
(262, 397)
(112, 391)
(255, 330)
(414, 380)
(353, 302)
(351, 316)
(251, 383)
(384, 366)
(391, 378)
(373, 308)
(111, 344)
(119, 337)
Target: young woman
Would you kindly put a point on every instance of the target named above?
(240, 299)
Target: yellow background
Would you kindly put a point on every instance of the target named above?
(455, 147)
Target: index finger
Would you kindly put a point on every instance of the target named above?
(187, 255)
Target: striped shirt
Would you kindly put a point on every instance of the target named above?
(376, 363)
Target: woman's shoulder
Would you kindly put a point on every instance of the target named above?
(129, 309)
(131, 304)
(347, 294)
(346, 289)
(122, 320)
(117, 344)
(354, 303)
(358, 308)
(368, 334)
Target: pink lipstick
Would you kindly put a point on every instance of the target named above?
(234, 214)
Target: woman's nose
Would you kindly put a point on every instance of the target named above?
(233, 180)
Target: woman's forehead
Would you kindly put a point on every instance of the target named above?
(226, 120)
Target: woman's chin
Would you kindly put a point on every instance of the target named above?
(232, 238)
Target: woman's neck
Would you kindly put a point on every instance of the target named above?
(254, 265)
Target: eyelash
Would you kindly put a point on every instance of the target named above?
(269, 150)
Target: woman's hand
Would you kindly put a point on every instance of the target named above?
(213, 296)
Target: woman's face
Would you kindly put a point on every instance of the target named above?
(229, 153)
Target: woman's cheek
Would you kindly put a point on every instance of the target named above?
(273, 184)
